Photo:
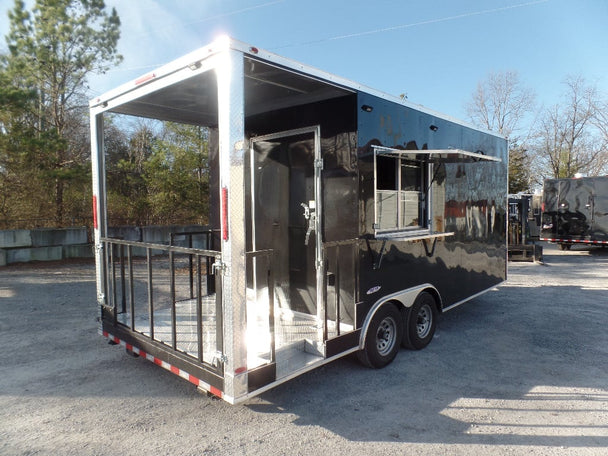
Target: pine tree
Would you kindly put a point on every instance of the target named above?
(52, 50)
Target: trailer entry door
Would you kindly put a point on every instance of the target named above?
(574, 208)
(285, 205)
(599, 208)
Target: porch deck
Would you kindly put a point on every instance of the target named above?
(296, 334)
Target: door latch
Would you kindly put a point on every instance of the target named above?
(311, 216)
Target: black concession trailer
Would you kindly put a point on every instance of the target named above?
(575, 211)
(341, 219)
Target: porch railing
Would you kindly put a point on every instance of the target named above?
(147, 292)
(336, 260)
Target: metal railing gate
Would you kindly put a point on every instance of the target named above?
(166, 299)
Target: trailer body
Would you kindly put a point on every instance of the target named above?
(341, 220)
(575, 211)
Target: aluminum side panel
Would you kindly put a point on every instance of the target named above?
(99, 198)
(231, 160)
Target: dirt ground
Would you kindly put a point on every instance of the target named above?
(522, 369)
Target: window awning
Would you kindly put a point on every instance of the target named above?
(435, 155)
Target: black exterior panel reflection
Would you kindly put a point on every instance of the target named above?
(473, 200)
(474, 207)
(575, 210)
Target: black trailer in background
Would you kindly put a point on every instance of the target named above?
(575, 211)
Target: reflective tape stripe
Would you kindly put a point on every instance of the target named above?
(573, 241)
(165, 365)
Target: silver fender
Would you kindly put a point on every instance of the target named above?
(405, 297)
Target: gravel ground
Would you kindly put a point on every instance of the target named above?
(522, 369)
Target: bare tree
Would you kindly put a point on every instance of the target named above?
(500, 103)
(600, 121)
(569, 137)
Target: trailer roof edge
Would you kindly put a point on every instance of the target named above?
(224, 43)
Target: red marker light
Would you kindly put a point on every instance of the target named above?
(145, 78)
(95, 225)
(224, 213)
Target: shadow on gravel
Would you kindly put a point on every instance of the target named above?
(593, 250)
(520, 366)
(576, 250)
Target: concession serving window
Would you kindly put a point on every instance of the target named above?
(403, 181)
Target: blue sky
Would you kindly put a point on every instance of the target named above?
(435, 51)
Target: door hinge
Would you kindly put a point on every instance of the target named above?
(319, 163)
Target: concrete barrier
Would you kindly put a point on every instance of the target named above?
(15, 238)
(25, 255)
(162, 235)
(78, 251)
(158, 235)
(126, 233)
(44, 237)
(42, 244)
(47, 244)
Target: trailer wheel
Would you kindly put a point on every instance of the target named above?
(383, 335)
(420, 322)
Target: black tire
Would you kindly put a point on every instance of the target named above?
(383, 336)
(420, 322)
(565, 246)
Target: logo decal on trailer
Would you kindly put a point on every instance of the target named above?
(372, 290)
